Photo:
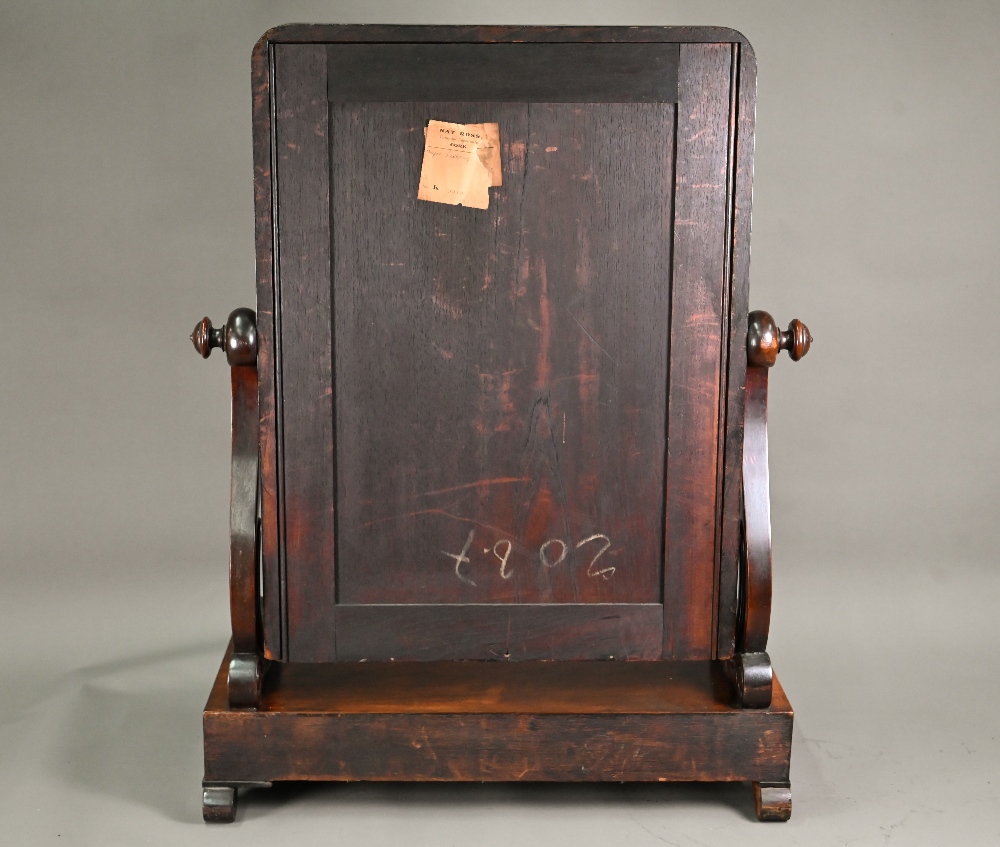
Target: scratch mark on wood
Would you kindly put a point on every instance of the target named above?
(502, 480)
(585, 332)
(441, 512)
(545, 316)
(439, 299)
(447, 354)
(583, 378)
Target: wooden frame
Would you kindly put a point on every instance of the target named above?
(704, 704)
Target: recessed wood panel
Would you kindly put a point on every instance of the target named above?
(501, 373)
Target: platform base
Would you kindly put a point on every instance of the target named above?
(497, 722)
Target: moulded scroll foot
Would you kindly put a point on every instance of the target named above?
(752, 679)
(773, 800)
(218, 803)
(246, 676)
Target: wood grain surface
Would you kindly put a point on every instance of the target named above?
(550, 688)
(543, 73)
(454, 721)
(529, 418)
(500, 631)
(756, 618)
(243, 587)
(272, 601)
(735, 383)
(501, 374)
(306, 443)
(499, 378)
(700, 280)
(451, 34)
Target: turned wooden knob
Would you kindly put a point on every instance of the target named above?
(238, 338)
(205, 337)
(765, 340)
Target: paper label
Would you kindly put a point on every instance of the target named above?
(461, 162)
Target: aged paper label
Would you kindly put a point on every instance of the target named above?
(461, 162)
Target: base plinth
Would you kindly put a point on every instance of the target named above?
(497, 722)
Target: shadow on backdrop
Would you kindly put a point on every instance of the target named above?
(133, 729)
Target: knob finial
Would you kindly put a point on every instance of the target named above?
(205, 337)
(765, 340)
(238, 338)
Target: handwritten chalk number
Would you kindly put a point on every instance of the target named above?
(504, 573)
(503, 548)
(607, 572)
(462, 557)
(542, 552)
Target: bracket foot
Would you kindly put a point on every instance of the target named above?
(218, 803)
(773, 800)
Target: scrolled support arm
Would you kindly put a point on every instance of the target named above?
(751, 666)
(239, 339)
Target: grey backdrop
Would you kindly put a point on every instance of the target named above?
(126, 215)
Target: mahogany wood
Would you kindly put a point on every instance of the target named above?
(773, 800)
(545, 73)
(750, 666)
(246, 667)
(757, 517)
(556, 489)
(517, 434)
(239, 340)
(206, 337)
(219, 803)
(500, 631)
(528, 386)
(268, 322)
(752, 679)
(275, 600)
(307, 450)
(765, 340)
(700, 275)
(733, 394)
(349, 33)
(523, 721)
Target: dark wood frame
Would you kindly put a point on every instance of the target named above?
(708, 708)
(704, 524)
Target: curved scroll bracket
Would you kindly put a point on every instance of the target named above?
(239, 340)
(750, 667)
